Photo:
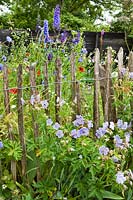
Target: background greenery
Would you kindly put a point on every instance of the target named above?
(77, 15)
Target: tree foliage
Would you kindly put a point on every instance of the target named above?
(76, 14)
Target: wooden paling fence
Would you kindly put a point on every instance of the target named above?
(103, 86)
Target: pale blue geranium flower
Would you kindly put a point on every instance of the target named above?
(120, 179)
(104, 150)
(56, 126)
(59, 134)
(49, 122)
(44, 104)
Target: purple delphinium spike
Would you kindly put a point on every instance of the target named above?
(56, 23)
(1, 145)
(104, 150)
(46, 29)
(120, 179)
(1, 66)
(59, 134)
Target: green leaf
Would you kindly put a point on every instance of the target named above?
(110, 195)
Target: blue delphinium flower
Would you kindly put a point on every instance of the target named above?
(76, 39)
(56, 23)
(46, 29)
(104, 150)
(1, 66)
(50, 56)
(46, 32)
(1, 145)
(59, 134)
(63, 37)
(120, 179)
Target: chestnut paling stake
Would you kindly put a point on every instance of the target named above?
(7, 111)
(130, 66)
(35, 124)
(96, 114)
(58, 79)
(21, 121)
(46, 87)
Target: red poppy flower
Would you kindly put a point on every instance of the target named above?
(38, 73)
(13, 90)
(81, 69)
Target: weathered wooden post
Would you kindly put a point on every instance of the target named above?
(110, 110)
(34, 94)
(130, 66)
(73, 84)
(120, 78)
(21, 121)
(78, 98)
(58, 79)
(46, 86)
(96, 114)
(7, 112)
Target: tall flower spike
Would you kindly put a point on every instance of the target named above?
(56, 23)
(46, 29)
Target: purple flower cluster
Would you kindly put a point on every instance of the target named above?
(118, 141)
(81, 132)
(56, 23)
(79, 120)
(120, 179)
(46, 32)
(50, 56)
(100, 132)
(122, 125)
(63, 37)
(1, 66)
(1, 145)
(104, 150)
(59, 133)
(76, 39)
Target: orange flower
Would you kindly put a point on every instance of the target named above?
(13, 91)
(81, 69)
(38, 72)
